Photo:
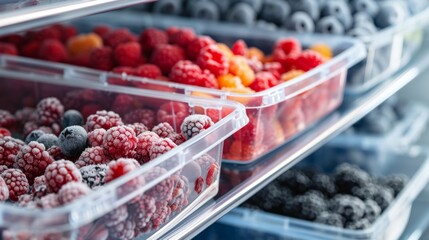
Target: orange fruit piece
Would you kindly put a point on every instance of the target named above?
(291, 75)
(226, 50)
(239, 67)
(255, 53)
(229, 81)
(84, 44)
(323, 49)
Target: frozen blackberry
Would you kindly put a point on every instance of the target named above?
(359, 224)
(297, 181)
(372, 210)
(348, 176)
(383, 197)
(396, 182)
(271, 198)
(366, 192)
(73, 140)
(48, 140)
(93, 175)
(331, 219)
(72, 117)
(324, 184)
(349, 207)
(308, 206)
(34, 135)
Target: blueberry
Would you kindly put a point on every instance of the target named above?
(275, 11)
(362, 17)
(358, 32)
(255, 4)
(311, 7)
(265, 25)
(367, 6)
(33, 136)
(73, 140)
(383, 197)
(241, 13)
(390, 14)
(223, 5)
(301, 22)
(168, 7)
(331, 219)
(207, 10)
(340, 10)
(271, 197)
(72, 117)
(372, 210)
(349, 207)
(330, 25)
(48, 140)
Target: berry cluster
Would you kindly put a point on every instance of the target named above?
(349, 198)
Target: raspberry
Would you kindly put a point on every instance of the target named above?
(30, 49)
(50, 110)
(67, 32)
(194, 124)
(25, 200)
(102, 119)
(144, 143)
(39, 188)
(194, 48)
(73, 140)
(121, 167)
(32, 159)
(84, 44)
(275, 68)
(25, 114)
(7, 48)
(163, 129)
(252, 133)
(7, 120)
(60, 173)
(93, 175)
(16, 182)
(186, 72)
(52, 50)
(205, 161)
(138, 128)
(122, 104)
(148, 71)
(142, 211)
(118, 36)
(240, 68)
(95, 138)
(4, 191)
(289, 46)
(183, 37)
(171, 31)
(145, 116)
(199, 184)
(55, 153)
(116, 216)
(127, 54)
(119, 142)
(177, 138)
(159, 217)
(3, 168)
(123, 230)
(124, 71)
(213, 59)
(72, 191)
(180, 193)
(92, 155)
(291, 75)
(161, 191)
(160, 147)
(102, 59)
(263, 81)
(239, 48)
(308, 60)
(49, 201)
(212, 174)
(165, 56)
(47, 33)
(152, 37)
(102, 30)
(255, 64)
(9, 148)
(173, 112)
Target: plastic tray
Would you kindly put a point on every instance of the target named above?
(251, 224)
(85, 218)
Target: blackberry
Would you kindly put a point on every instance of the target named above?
(396, 182)
(366, 192)
(324, 184)
(297, 181)
(349, 207)
(271, 198)
(383, 197)
(93, 175)
(348, 176)
(72, 117)
(73, 140)
(331, 219)
(372, 210)
(48, 140)
(33, 136)
(359, 224)
(307, 206)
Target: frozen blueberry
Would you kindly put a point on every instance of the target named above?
(168, 7)
(300, 22)
(275, 11)
(324, 184)
(331, 219)
(255, 4)
(348, 177)
(308, 206)
(311, 7)
(241, 13)
(73, 140)
(396, 182)
(358, 32)
(390, 14)
(265, 25)
(207, 10)
(349, 207)
(72, 117)
(340, 10)
(362, 17)
(372, 210)
(359, 224)
(48, 140)
(330, 25)
(296, 181)
(368, 6)
(33, 136)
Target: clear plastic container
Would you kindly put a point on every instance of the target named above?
(168, 194)
(286, 109)
(243, 223)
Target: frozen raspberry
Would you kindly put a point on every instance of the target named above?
(163, 129)
(30, 49)
(212, 174)
(25, 200)
(39, 188)
(3, 168)
(124, 71)
(33, 159)
(161, 191)
(160, 147)
(263, 81)
(308, 60)
(165, 56)
(183, 37)
(116, 216)
(290, 46)
(145, 116)
(55, 153)
(49, 201)
(93, 175)
(121, 167)
(186, 72)
(60, 173)
(72, 117)
(127, 54)
(73, 140)
(177, 138)
(180, 193)
(144, 143)
(138, 128)
(151, 37)
(253, 132)
(4, 191)
(26, 114)
(124, 230)
(173, 112)
(9, 148)
(50, 110)
(47, 33)
(16, 182)
(48, 140)
(52, 50)
(118, 36)
(7, 48)
(103, 119)
(29, 127)
(275, 68)
(123, 103)
(102, 59)
(7, 120)
(4, 132)
(199, 184)
(148, 71)
(194, 124)
(67, 32)
(239, 48)
(214, 60)
(119, 142)
(92, 155)
(159, 217)
(72, 191)
(142, 211)
(194, 48)
(102, 30)
(95, 137)
(15, 39)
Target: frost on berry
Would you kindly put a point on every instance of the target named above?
(180, 192)
(138, 128)
(50, 110)
(144, 143)
(116, 216)
(160, 147)
(142, 210)
(95, 137)
(90, 156)
(119, 142)
(173, 112)
(199, 184)
(7, 120)
(72, 191)
(16, 182)
(159, 217)
(145, 116)
(9, 147)
(4, 191)
(163, 129)
(161, 191)
(26, 114)
(3, 168)
(56, 154)
(121, 167)
(102, 119)
(194, 124)
(93, 175)
(177, 138)
(124, 230)
(73, 140)
(60, 173)
(4, 132)
(49, 201)
(39, 188)
(33, 159)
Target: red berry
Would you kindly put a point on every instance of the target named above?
(7, 48)
(39, 188)
(142, 211)
(288, 62)
(9, 148)
(199, 184)
(4, 191)
(159, 217)
(195, 47)
(7, 120)
(116, 216)
(186, 72)
(145, 141)
(121, 167)
(263, 81)
(148, 71)
(255, 64)
(138, 128)
(151, 37)
(26, 114)
(3, 168)
(239, 48)
(33, 159)
(102, 119)
(67, 32)
(102, 30)
(173, 112)
(102, 59)
(123, 103)
(118, 36)
(83, 60)
(119, 142)
(171, 31)
(127, 54)
(95, 137)
(50, 110)
(214, 60)
(92, 156)
(180, 192)
(48, 202)
(52, 50)
(26, 200)
(161, 191)
(72, 191)
(160, 147)
(205, 161)
(289, 46)
(14, 39)
(123, 230)
(177, 138)
(212, 174)
(275, 68)
(183, 37)
(308, 60)
(30, 49)
(47, 33)
(60, 173)
(16, 182)
(124, 70)
(165, 56)
(163, 129)
(145, 116)
(194, 124)
(252, 133)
